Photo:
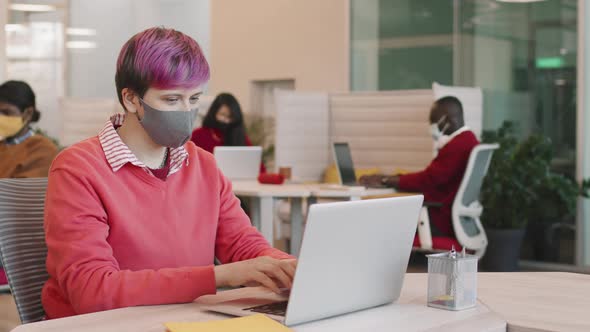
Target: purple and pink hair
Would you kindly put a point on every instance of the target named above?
(160, 58)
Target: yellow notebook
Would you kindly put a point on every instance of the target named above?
(255, 323)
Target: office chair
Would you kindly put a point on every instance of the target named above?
(22, 243)
(466, 210)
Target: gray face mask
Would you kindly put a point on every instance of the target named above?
(168, 128)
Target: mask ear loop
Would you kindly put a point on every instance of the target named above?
(143, 106)
(445, 127)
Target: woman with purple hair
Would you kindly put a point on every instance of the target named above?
(137, 214)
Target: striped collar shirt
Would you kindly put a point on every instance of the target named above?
(118, 153)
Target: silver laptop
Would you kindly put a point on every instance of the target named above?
(354, 256)
(239, 162)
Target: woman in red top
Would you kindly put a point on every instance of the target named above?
(223, 126)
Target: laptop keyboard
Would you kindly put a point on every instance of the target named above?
(275, 308)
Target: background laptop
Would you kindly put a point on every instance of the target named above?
(345, 167)
(344, 164)
(239, 162)
(354, 256)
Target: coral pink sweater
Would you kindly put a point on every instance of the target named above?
(127, 238)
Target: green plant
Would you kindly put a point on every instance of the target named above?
(520, 186)
(557, 198)
(259, 130)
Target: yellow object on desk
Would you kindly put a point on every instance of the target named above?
(331, 173)
(255, 323)
(400, 171)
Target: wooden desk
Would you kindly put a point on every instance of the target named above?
(532, 301)
(528, 302)
(541, 301)
(318, 191)
(410, 314)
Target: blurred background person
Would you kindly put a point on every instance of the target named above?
(223, 126)
(23, 154)
(439, 182)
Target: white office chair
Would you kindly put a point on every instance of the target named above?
(466, 210)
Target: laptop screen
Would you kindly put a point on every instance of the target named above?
(239, 162)
(344, 163)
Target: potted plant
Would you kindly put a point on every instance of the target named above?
(555, 208)
(518, 182)
(260, 129)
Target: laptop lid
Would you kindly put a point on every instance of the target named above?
(344, 164)
(239, 162)
(354, 256)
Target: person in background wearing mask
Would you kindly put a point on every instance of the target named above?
(137, 214)
(22, 153)
(223, 126)
(440, 181)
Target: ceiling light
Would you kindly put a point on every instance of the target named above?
(80, 44)
(26, 7)
(80, 32)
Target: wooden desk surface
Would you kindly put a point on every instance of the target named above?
(527, 301)
(541, 301)
(409, 314)
(326, 192)
(532, 301)
(255, 189)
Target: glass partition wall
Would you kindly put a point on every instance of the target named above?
(522, 54)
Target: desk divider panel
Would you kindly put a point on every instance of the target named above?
(388, 129)
(302, 139)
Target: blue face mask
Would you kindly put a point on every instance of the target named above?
(168, 128)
